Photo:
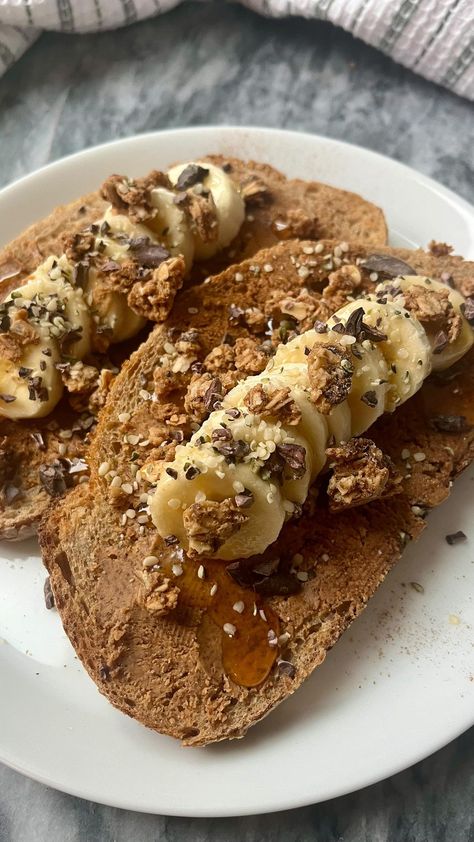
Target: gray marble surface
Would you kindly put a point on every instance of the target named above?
(220, 64)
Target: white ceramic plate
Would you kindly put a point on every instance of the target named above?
(398, 686)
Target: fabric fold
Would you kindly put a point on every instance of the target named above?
(434, 38)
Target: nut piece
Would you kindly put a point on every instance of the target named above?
(201, 210)
(79, 378)
(154, 298)
(159, 594)
(203, 392)
(77, 246)
(220, 359)
(255, 192)
(295, 225)
(439, 249)
(361, 473)
(133, 196)
(303, 306)
(434, 310)
(342, 283)
(20, 334)
(249, 357)
(209, 524)
(271, 402)
(330, 375)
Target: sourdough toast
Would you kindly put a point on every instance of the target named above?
(272, 200)
(152, 643)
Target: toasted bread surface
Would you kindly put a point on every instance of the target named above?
(165, 668)
(320, 209)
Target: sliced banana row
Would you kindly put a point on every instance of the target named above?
(389, 353)
(51, 285)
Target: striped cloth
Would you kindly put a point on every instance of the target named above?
(432, 37)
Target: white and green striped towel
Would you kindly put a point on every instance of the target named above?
(433, 37)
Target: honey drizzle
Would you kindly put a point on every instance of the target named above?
(247, 656)
(452, 396)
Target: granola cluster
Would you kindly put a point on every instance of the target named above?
(209, 524)
(361, 472)
(154, 298)
(158, 593)
(133, 197)
(330, 375)
(268, 402)
(204, 394)
(342, 284)
(19, 336)
(435, 312)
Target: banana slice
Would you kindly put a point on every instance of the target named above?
(229, 205)
(339, 421)
(49, 288)
(294, 351)
(312, 428)
(406, 350)
(112, 310)
(118, 248)
(263, 438)
(31, 401)
(370, 380)
(111, 307)
(171, 225)
(173, 496)
(454, 350)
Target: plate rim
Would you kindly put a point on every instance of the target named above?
(289, 135)
(437, 186)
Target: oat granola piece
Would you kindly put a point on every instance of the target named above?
(20, 334)
(119, 277)
(79, 378)
(439, 249)
(295, 225)
(330, 375)
(158, 593)
(133, 197)
(434, 310)
(201, 210)
(255, 192)
(78, 245)
(361, 472)
(220, 359)
(249, 356)
(188, 343)
(273, 402)
(204, 391)
(154, 298)
(255, 319)
(301, 307)
(209, 524)
(342, 284)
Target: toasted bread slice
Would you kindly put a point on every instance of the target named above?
(283, 212)
(153, 645)
(319, 209)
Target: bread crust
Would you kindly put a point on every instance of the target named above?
(326, 208)
(166, 671)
